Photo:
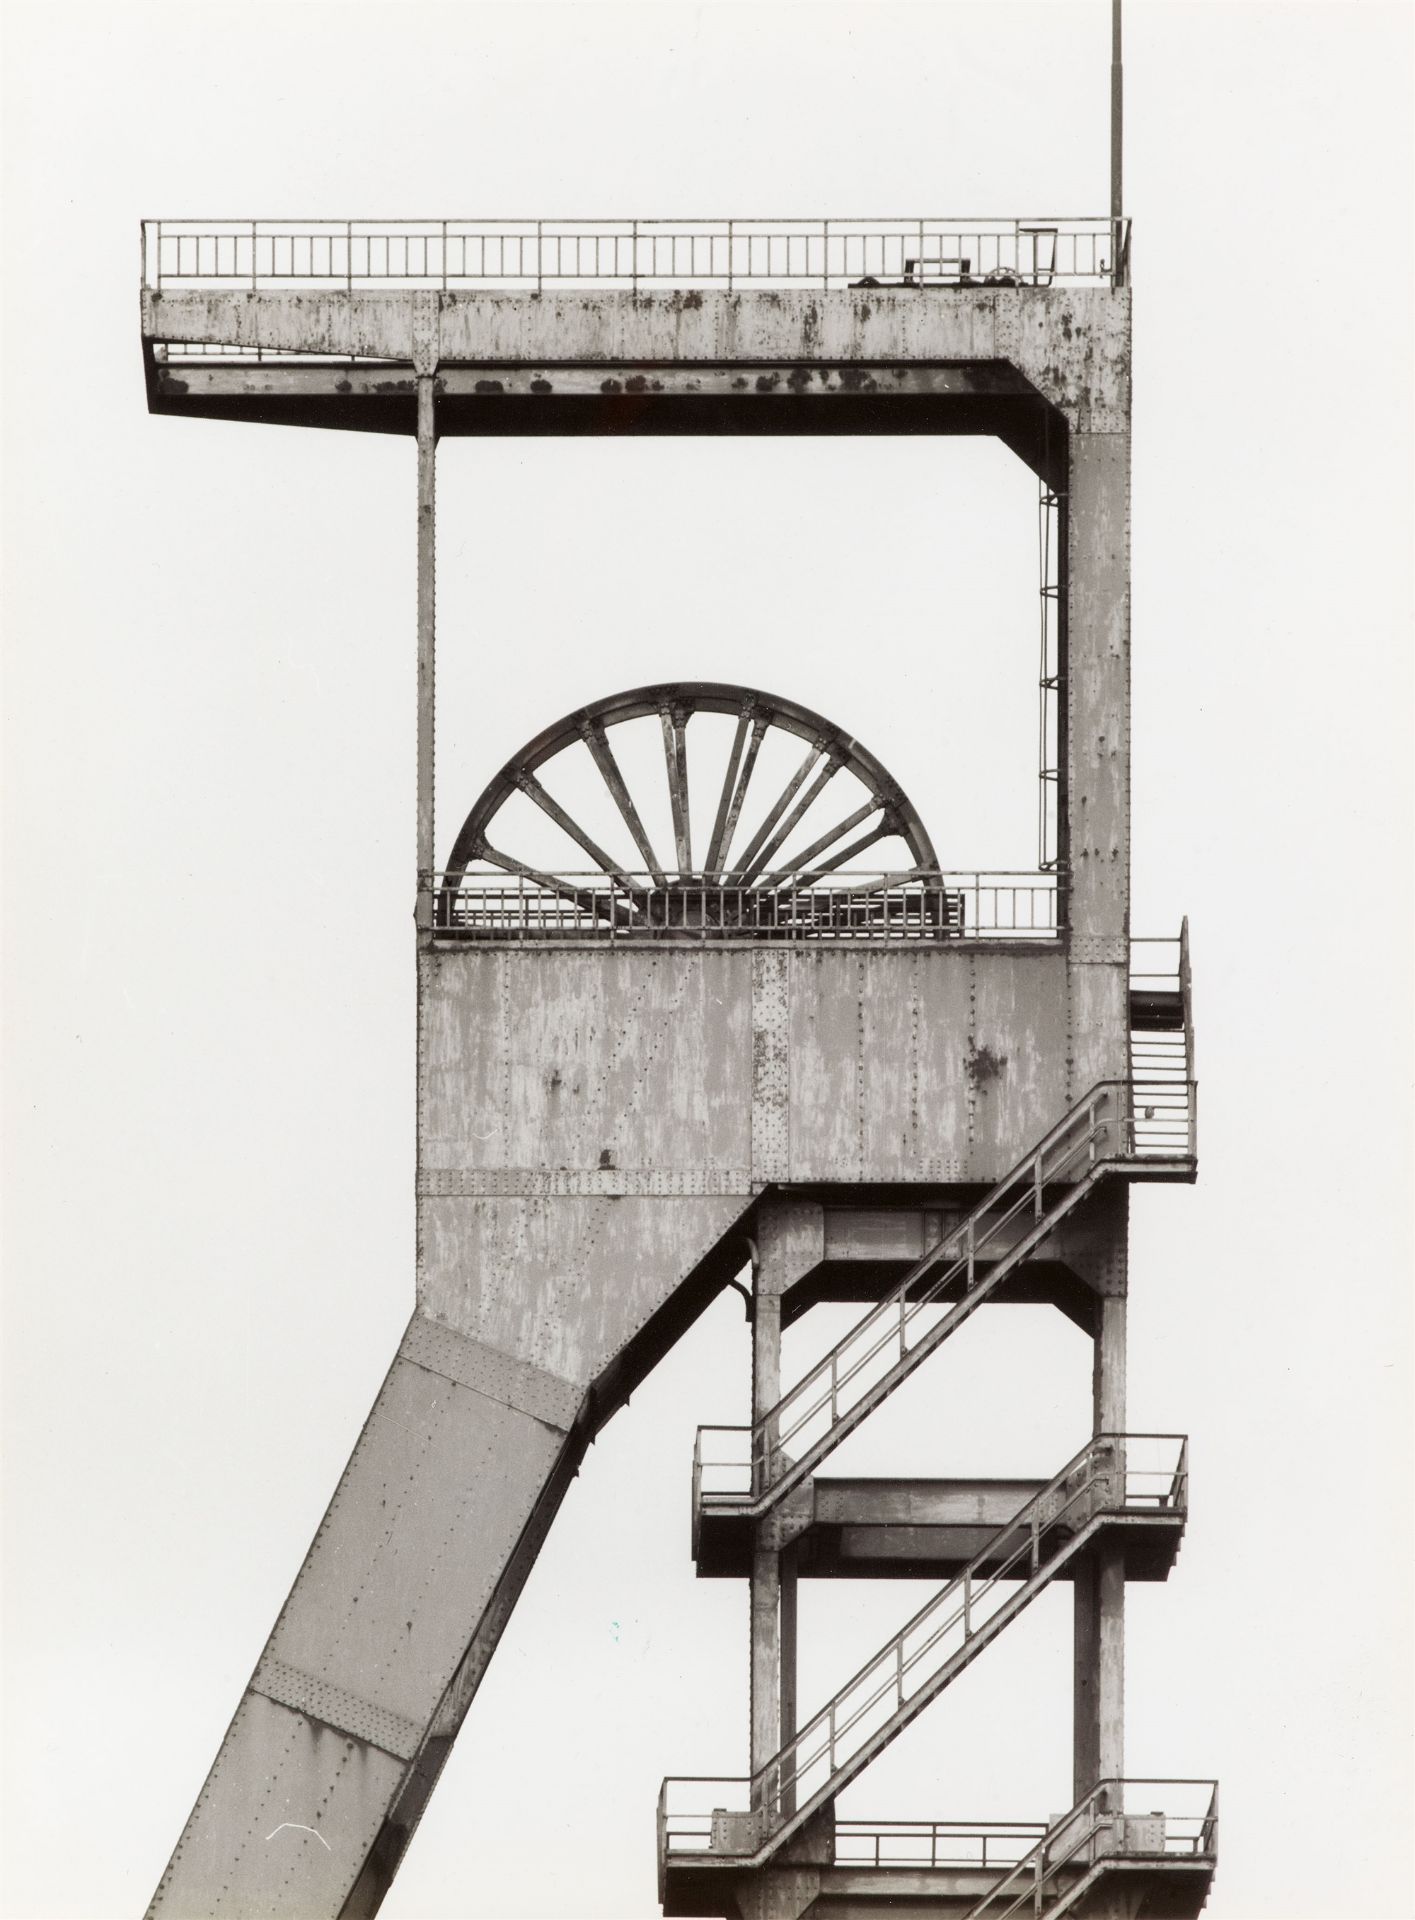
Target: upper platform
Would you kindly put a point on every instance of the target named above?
(1008, 327)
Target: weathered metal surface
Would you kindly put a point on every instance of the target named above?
(335, 1707)
(500, 1376)
(1098, 684)
(1071, 343)
(771, 1066)
(502, 380)
(588, 1061)
(694, 1072)
(562, 1283)
(256, 1840)
(439, 1487)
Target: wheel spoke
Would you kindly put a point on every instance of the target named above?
(533, 790)
(716, 847)
(882, 832)
(789, 794)
(809, 853)
(675, 753)
(793, 818)
(736, 880)
(759, 728)
(603, 753)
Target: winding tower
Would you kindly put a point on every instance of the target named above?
(652, 1057)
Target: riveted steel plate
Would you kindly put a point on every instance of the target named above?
(499, 1182)
(487, 1370)
(1109, 949)
(336, 1707)
(256, 1840)
(771, 1067)
(426, 328)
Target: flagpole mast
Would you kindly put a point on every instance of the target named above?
(1117, 119)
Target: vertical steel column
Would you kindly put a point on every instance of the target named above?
(766, 1562)
(1099, 1696)
(788, 1662)
(427, 641)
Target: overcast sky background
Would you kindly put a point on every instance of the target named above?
(208, 894)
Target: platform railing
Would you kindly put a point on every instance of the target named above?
(475, 906)
(964, 1844)
(1113, 1474)
(356, 256)
(1116, 1820)
(1119, 1123)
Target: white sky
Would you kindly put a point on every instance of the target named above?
(208, 863)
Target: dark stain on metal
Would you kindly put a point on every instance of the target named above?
(985, 1066)
(541, 386)
(343, 386)
(636, 383)
(739, 385)
(692, 300)
(610, 386)
(490, 386)
(768, 382)
(858, 380)
(606, 1158)
(799, 379)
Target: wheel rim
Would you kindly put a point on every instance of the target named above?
(756, 833)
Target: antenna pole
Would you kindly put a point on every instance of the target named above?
(1117, 116)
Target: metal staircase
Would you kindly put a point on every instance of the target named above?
(1100, 1838)
(1139, 1129)
(1115, 1480)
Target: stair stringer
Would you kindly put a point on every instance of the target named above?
(929, 1691)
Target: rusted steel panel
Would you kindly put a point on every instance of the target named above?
(913, 1037)
(1094, 1240)
(256, 1840)
(636, 1062)
(1071, 343)
(1100, 1024)
(825, 1041)
(500, 1376)
(429, 1507)
(537, 381)
(562, 1283)
(1017, 1059)
(1076, 353)
(771, 1066)
(923, 1067)
(421, 1527)
(1098, 683)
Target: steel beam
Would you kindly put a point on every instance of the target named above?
(427, 645)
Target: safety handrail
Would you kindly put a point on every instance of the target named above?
(915, 904)
(1101, 1132)
(1111, 1474)
(1098, 1469)
(356, 255)
(934, 1843)
(1091, 1832)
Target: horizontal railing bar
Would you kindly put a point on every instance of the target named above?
(1037, 250)
(778, 1791)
